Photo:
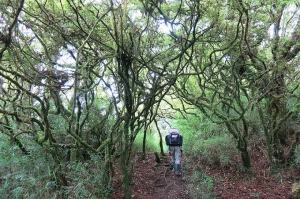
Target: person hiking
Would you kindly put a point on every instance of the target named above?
(174, 142)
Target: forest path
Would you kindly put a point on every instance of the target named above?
(152, 180)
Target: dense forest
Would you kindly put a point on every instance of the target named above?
(86, 85)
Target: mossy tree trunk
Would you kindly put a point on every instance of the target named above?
(124, 65)
(144, 143)
(291, 155)
(161, 146)
(276, 111)
(58, 172)
(242, 146)
(283, 53)
(241, 136)
(125, 156)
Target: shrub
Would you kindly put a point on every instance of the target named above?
(32, 176)
(152, 142)
(201, 185)
(217, 150)
(296, 190)
(297, 157)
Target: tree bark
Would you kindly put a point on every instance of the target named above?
(160, 139)
(242, 146)
(144, 143)
(125, 163)
(291, 155)
(277, 111)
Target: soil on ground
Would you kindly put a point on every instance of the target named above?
(154, 181)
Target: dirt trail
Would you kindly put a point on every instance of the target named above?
(152, 181)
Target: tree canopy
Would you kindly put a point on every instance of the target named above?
(90, 75)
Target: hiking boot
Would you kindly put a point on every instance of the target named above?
(172, 166)
(176, 169)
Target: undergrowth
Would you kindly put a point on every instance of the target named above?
(152, 141)
(201, 185)
(32, 176)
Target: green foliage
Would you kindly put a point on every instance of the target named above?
(32, 176)
(201, 47)
(89, 178)
(255, 195)
(201, 185)
(151, 143)
(206, 141)
(296, 190)
(217, 150)
(297, 157)
(23, 176)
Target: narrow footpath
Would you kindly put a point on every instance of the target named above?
(153, 180)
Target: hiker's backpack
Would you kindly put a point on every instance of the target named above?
(174, 139)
